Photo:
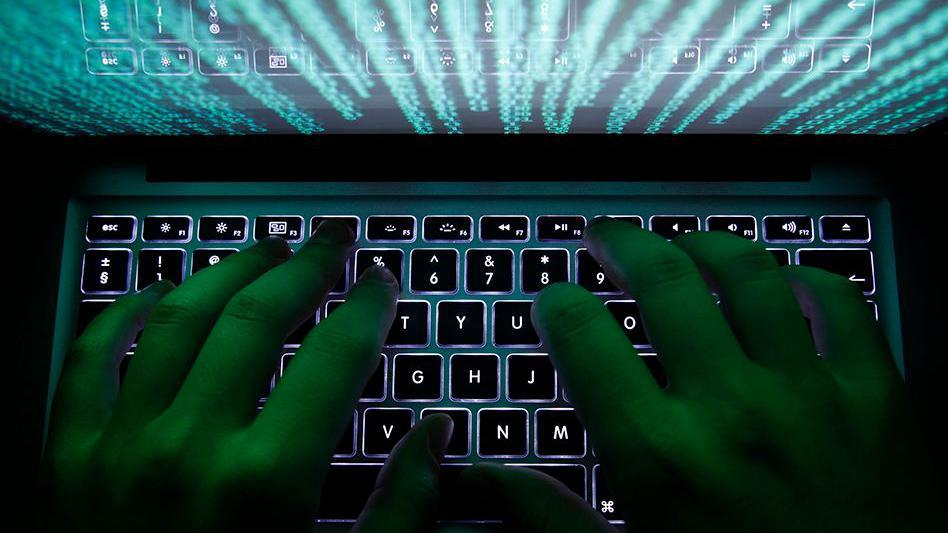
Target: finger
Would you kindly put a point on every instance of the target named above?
(406, 492)
(178, 327)
(310, 407)
(844, 328)
(683, 321)
(755, 295)
(602, 372)
(240, 353)
(531, 501)
(89, 379)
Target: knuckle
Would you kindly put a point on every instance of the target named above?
(174, 312)
(571, 314)
(663, 269)
(249, 306)
(83, 347)
(337, 341)
(751, 262)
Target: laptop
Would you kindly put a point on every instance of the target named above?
(200, 127)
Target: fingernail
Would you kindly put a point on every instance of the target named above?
(333, 231)
(380, 273)
(275, 246)
(598, 219)
(439, 435)
(160, 288)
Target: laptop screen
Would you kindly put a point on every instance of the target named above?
(198, 67)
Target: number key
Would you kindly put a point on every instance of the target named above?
(540, 267)
(159, 264)
(489, 271)
(390, 258)
(434, 271)
(591, 276)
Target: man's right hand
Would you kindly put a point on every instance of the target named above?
(755, 431)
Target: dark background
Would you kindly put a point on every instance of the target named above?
(41, 171)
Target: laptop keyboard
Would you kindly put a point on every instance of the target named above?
(462, 342)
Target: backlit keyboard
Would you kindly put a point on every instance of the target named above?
(462, 342)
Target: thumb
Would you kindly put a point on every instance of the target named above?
(532, 502)
(406, 492)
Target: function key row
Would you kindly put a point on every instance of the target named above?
(460, 228)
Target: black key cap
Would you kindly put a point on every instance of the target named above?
(166, 229)
(411, 326)
(573, 476)
(106, 271)
(741, 225)
(159, 264)
(502, 433)
(512, 324)
(461, 323)
(222, 229)
(123, 365)
(455, 502)
(383, 427)
(350, 486)
(349, 220)
(626, 313)
(434, 271)
(443, 228)
(390, 228)
(671, 226)
(374, 390)
(331, 306)
(558, 433)
(301, 331)
(560, 227)
(110, 228)
(346, 447)
(782, 255)
(475, 377)
(530, 378)
(855, 264)
(654, 366)
(845, 228)
(417, 377)
(604, 498)
(342, 284)
(390, 258)
(591, 276)
(88, 310)
(512, 228)
(205, 257)
(631, 219)
(489, 270)
(793, 228)
(460, 443)
(540, 267)
(289, 228)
